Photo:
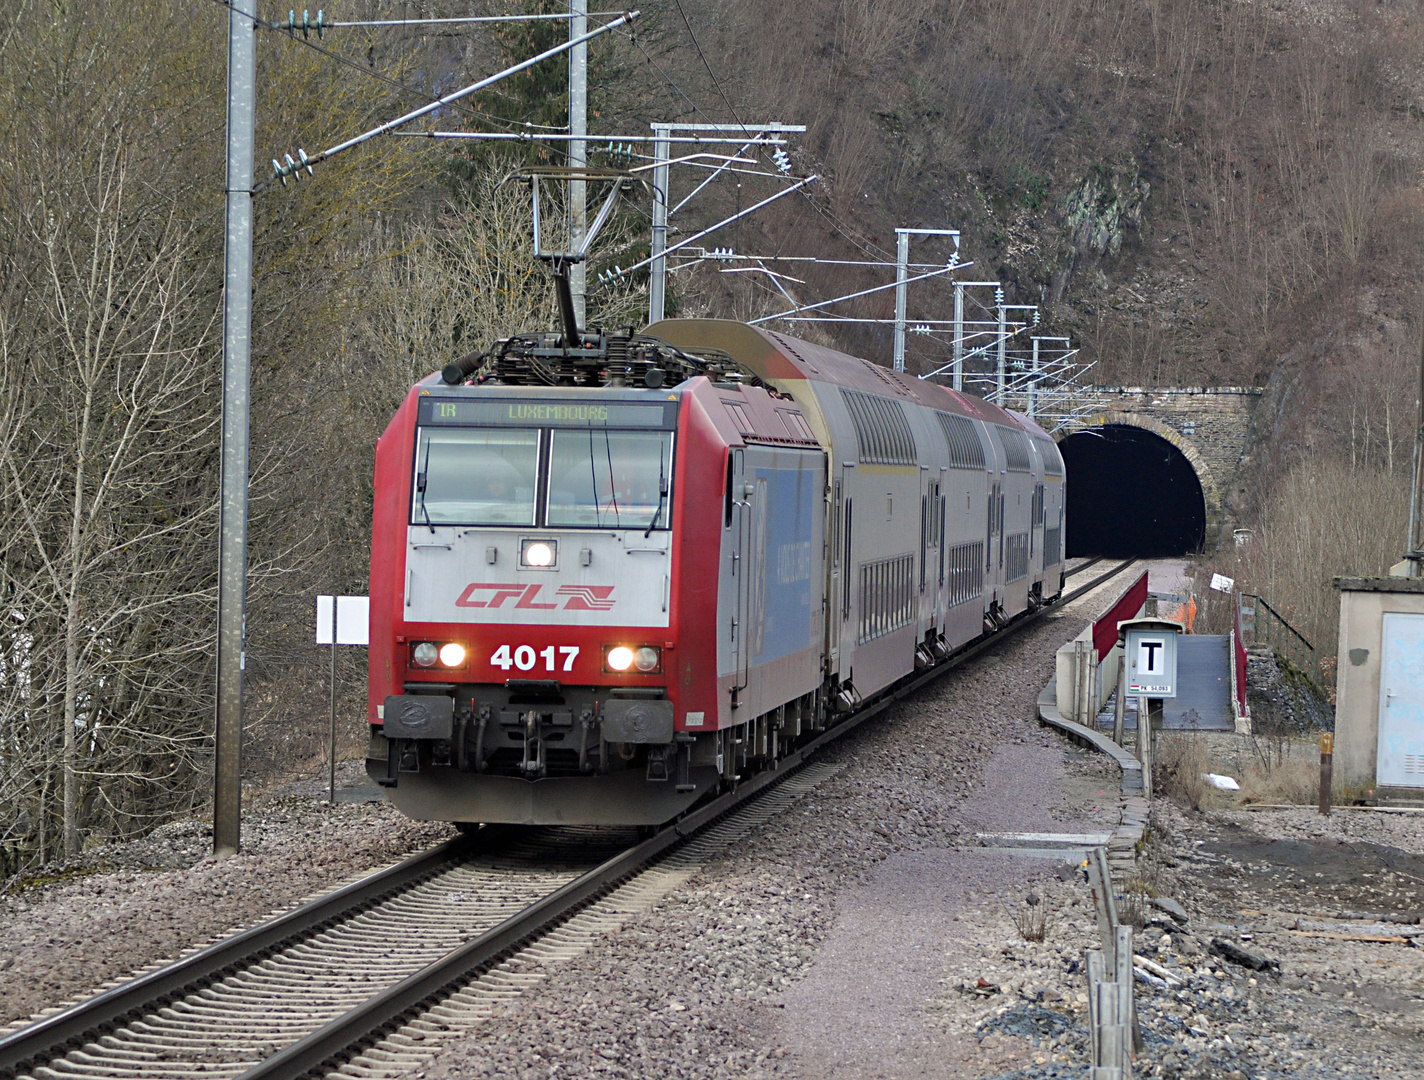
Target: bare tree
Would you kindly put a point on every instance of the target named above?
(116, 439)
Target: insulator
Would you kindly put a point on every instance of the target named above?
(999, 295)
(291, 22)
(320, 23)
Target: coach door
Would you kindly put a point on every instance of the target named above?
(835, 579)
(993, 541)
(930, 530)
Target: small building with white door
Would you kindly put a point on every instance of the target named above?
(1379, 690)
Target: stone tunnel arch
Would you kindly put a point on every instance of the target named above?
(1137, 487)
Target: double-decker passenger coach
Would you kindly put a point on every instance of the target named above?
(611, 576)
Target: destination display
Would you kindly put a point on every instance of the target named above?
(526, 412)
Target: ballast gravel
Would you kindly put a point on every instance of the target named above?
(121, 908)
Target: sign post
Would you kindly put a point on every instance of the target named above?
(1150, 672)
(340, 620)
(1327, 767)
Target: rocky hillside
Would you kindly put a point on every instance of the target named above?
(1198, 191)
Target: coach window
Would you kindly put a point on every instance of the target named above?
(475, 476)
(610, 479)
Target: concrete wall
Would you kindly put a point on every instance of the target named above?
(1210, 425)
(1363, 604)
(1102, 678)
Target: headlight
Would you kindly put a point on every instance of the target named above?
(620, 658)
(538, 553)
(425, 654)
(452, 654)
(646, 658)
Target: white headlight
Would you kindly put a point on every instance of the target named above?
(620, 658)
(425, 654)
(452, 654)
(646, 658)
(539, 553)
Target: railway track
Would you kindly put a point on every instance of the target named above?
(374, 978)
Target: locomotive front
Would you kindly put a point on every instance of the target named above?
(525, 580)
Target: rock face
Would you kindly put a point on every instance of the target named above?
(1107, 203)
(1282, 699)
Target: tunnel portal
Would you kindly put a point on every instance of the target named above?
(1130, 493)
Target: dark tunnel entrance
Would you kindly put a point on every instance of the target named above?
(1130, 493)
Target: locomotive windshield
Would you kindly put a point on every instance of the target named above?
(609, 479)
(476, 476)
(592, 477)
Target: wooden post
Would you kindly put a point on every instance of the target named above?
(1100, 885)
(1124, 981)
(1144, 743)
(1121, 708)
(1077, 680)
(1095, 979)
(1327, 768)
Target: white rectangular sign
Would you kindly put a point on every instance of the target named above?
(353, 620)
(1152, 663)
(1222, 583)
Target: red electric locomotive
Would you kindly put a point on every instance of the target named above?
(608, 578)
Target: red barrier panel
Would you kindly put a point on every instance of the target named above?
(1105, 629)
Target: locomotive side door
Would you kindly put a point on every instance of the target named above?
(743, 569)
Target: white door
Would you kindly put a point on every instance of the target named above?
(1401, 715)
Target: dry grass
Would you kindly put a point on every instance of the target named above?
(1132, 908)
(1031, 919)
(1288, 772)
(1326, 517)
(1179, 769)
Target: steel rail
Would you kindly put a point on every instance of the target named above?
(54, 1035)
(343, 1037)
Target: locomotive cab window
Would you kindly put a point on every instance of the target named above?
(610, 479)
(570, 477)
(475, 476)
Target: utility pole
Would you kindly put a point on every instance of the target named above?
(237, 368)
(1033, 382)
(578, 151)
(1414, 550)
(657, 270)
(1003, 344)
(902, 272)
(902, 280)
(959, 336)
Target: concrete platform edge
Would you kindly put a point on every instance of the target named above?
(1134, 807)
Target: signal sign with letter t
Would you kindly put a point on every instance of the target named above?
(1152, 663)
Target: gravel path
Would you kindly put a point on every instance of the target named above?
(119, 909)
